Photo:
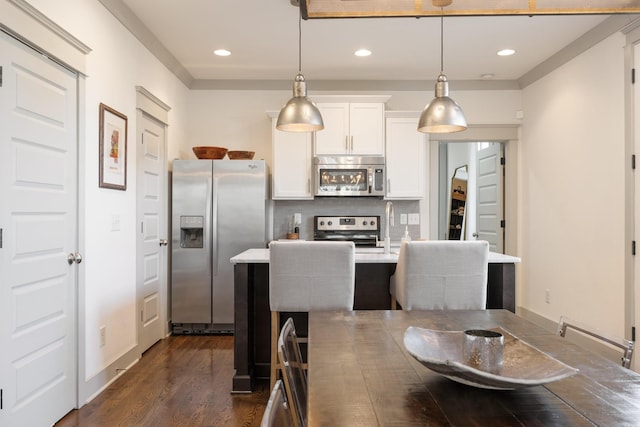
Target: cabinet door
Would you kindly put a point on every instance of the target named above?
(405, 159)
(291, 170)
(333, 139)
(366, 128)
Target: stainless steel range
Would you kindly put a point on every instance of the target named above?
(362, 230)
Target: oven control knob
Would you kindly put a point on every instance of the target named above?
(321, 222)
(330, 223)
(373, 223)
(364, 222)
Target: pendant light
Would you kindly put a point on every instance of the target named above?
(442, 114)
(300, 114)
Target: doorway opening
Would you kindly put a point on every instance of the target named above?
(482, 216)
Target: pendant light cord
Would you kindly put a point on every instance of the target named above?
(442, 41)
(300, 41)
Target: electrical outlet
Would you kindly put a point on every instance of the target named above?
(547, 296)
(414, 219)
(297, 218)
(103, 336)
(403, 219)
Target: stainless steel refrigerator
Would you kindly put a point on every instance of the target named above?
(218, 211)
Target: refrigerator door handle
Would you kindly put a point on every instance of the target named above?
(214, 226)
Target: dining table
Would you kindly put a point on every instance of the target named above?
(361, 374)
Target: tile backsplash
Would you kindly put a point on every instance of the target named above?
(283, 211)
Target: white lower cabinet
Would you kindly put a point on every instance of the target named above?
(291, 173)
(405, 158)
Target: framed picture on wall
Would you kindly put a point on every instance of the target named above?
(113, 149)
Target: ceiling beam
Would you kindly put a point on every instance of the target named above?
(318, 9)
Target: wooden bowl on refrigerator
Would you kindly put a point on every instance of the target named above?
(209, 152)
(241, 155)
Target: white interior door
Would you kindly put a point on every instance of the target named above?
(152, 232)
(489, 197)
(38, 222)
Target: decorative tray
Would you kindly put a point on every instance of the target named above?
(523, 365)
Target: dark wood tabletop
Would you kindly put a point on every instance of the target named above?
(361, 375)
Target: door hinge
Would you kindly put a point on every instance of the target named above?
(1, 403)
(633, 333)
(633, 161)
(633, 76)
(633, 247)
(0, 238)
(502, 223)
(502, 161)
(0, 76)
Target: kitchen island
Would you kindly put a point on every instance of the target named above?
(252, 343)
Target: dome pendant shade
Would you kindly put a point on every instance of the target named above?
(442, 114)
(300, 114)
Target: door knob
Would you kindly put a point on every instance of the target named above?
(71, 258)
(163, 242)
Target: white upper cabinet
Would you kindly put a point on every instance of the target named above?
(351, 128)
(405, 157)
(291, 176)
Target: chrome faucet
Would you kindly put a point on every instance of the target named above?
(389, 214)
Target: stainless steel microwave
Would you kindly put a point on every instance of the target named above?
(340, 175)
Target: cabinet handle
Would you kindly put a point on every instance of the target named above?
(388, 186)
(309, 185)
(346, 144)
(351, 149)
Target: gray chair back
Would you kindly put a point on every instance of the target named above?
(441, 275)
(306, 276)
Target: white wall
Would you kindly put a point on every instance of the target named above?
(115, 66)
(571, 194)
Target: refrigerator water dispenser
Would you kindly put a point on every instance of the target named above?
(191, 231)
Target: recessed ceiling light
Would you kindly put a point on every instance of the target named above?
(363, 52)
(506, 52)
(222, 52)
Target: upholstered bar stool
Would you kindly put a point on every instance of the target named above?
(441, 275)
(308, 276)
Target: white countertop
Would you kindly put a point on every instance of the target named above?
(363, 256)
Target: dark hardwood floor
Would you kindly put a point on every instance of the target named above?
(183, 380)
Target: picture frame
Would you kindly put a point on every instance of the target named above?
(113, 149)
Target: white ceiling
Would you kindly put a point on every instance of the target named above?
(263, 38)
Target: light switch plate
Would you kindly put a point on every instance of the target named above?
(115, 222)
(414, 218)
